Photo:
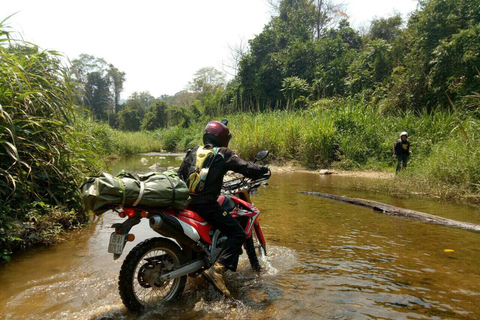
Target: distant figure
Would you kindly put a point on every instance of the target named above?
(401, 150)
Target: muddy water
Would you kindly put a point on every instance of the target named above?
(326, 260)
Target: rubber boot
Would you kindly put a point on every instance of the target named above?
(215, 276)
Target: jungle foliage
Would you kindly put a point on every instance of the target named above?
(45, 147)
(412, 67)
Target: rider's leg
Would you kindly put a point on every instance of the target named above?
(215, 276)
(228, 259)
(405, 160)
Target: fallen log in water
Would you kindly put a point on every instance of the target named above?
(396, 211)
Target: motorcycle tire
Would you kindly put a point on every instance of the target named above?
(137, 282)
(252, 254)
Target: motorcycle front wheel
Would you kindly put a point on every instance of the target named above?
(254, 251)
(139, 282)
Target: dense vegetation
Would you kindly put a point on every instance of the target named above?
(45, 147)
(309, 88)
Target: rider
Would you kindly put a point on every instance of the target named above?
(216, 137)
(401, 150)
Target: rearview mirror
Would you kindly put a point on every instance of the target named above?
(261, 155)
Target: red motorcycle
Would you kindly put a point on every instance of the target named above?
(156, 269)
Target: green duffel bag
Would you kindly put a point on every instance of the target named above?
(104, 192)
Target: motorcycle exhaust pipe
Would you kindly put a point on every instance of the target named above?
(170, 227)
(183, 271)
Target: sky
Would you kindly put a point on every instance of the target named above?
(159, 44)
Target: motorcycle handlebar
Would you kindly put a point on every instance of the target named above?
(241, 182)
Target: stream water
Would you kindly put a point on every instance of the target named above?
(326, 260)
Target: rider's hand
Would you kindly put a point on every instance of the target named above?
(265, 169)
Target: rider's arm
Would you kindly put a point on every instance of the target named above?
(396, 147)
(246, 168)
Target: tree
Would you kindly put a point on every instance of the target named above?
(309, 18)
(166, 98)
(456, 64)
(97, 95)
(296, 43)
(429, 32)
(296, 91)
(99, 85)
(207, 79)
(326, 16)
(349, 36)
(372, 67)
(180, 116)
(140, 101)
(386, 28)
(86, 64)
(212, 104)
(236, 54)
(128, 119)
(117, 79)
(336, 52)
(156, 116)
(184, 98)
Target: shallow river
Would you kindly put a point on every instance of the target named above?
(326, 260)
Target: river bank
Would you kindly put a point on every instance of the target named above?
(345, 173)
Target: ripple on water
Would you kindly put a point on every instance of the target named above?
(253, 294)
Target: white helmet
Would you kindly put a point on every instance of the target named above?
(404, 133)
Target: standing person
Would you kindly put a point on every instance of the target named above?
(401, 150)
(203, 169)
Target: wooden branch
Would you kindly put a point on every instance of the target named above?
(396, 211)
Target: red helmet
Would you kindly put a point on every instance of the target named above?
(216, 133)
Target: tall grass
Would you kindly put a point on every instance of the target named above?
(43, 149)
(180, 139)
(108, 141)
(346, 134)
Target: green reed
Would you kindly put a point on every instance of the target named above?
(44, 150)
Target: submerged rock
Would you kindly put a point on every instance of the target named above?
(156, 167)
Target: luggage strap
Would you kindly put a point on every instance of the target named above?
(122, 189)
(140, 194)
(173, 189)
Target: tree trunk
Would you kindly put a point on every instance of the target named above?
(396, 211)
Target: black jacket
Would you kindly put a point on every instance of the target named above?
(225, 160)
(401, 148)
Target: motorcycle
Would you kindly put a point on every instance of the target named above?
(156, 269)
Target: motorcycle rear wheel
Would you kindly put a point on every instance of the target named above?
(138, 285)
